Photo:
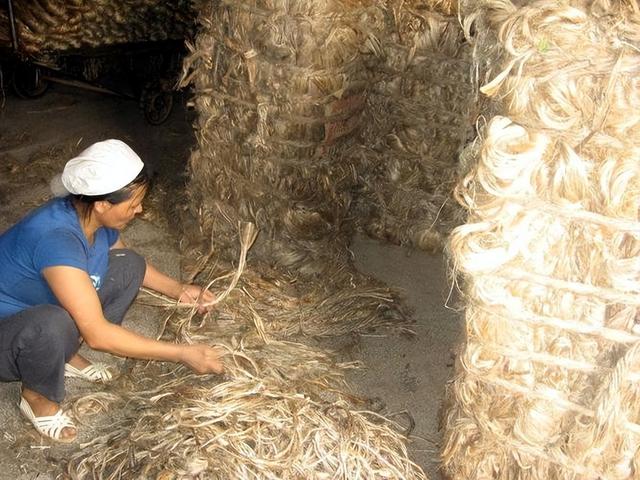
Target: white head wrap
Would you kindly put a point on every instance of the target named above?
(104, 167)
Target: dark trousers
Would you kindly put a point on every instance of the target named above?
(36, 343)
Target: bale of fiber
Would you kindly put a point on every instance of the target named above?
(422, 111)
(59, 25)
(546, 385)
(279, 87)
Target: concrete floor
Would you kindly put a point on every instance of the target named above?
(405, 373)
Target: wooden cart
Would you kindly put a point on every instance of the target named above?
(146, 72)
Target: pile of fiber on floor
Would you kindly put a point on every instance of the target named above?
(281, 411)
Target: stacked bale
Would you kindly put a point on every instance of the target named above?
(546, 386)
(279, 87)
(59, 25)
(422, 109)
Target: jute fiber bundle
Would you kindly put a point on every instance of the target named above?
(423, 113)
(546, 386)
(284, 309)
(281, 411)
(279, 305)
(59, 25)
(279, 88)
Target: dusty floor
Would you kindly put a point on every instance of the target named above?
(405, 373)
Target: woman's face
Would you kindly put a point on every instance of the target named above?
(120, 214)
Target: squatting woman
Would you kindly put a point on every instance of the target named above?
(66, 277)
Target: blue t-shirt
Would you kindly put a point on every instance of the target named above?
(48, 236)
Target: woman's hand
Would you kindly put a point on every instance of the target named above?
(203, 358)
(192, 295)
(196, 295)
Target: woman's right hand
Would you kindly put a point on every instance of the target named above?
(203, 358)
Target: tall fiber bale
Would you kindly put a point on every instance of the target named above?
(59, 25)
(546, 383)
(279, 88)
(422, 109)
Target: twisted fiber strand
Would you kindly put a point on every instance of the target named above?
(346, 66)
(617, 224)
(575, 326)
(304, 97)
(315, 11)
(544, 358)
(610, 412)
(274, 111)
(611, 295)
(554, 396)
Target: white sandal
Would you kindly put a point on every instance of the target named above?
(96, 372)
(50, 426)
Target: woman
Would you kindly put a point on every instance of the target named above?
(67, 277)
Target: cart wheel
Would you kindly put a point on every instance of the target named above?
(27, 81)
(156, 102)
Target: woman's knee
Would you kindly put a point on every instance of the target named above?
(53, 323)
(138, 264)
(131, 262)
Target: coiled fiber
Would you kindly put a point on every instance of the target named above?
(546, 386)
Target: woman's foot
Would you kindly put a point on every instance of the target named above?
(41, 406)
(80, 367)
(79, 362)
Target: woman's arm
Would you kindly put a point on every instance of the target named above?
(73, 289)
(186, 293)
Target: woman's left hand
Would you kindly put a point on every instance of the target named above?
(196, 295)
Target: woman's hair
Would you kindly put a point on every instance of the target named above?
(85, 203)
